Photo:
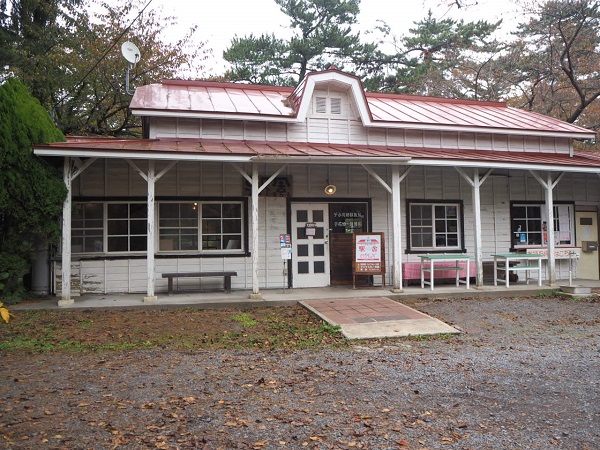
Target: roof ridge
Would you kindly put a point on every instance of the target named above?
(225, 84)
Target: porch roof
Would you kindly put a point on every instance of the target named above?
(184, 98)
(303, 152)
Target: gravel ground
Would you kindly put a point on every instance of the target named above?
(525, 374)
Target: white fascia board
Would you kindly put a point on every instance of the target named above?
(139, 155)
(496, 165)
(209, 115)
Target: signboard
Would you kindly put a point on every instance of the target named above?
(286, 246)
(369, 255)
(559, 253)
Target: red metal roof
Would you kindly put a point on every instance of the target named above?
(213, 97)
(289, 150)
(206, 98)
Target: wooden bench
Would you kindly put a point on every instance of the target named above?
(226, 276)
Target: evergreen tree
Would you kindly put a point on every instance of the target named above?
(31, 192)
(322, 35)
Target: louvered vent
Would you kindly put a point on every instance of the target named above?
(336, 106)
(321, 106)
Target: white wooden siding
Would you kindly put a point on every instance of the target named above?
(349, 129)
(308, 181)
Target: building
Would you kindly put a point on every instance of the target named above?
(225, 169)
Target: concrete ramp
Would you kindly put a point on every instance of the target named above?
(376, 317)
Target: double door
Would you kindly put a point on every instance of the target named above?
(322, 242)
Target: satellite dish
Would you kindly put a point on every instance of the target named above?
(130, 52)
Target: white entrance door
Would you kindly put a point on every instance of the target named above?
(587, 230)
(310, 245)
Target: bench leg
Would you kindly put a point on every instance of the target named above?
(170, 280)
(227, 283)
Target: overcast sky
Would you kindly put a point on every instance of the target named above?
(219, 21)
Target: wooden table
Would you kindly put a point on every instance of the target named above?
(532, 262)
(428, 265)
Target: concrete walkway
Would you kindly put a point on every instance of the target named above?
(376, 317)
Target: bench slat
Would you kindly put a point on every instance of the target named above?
(198, 274)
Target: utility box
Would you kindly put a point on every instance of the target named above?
(589, 246)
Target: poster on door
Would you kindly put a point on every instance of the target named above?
(369, 253)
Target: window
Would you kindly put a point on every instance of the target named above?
(108, 227)
(121, 227)
(321, 105)
(205, 226)
(529, 224)
(178, 226)
(335, 105)
(127, 226)
(87, 228)
(435, 226)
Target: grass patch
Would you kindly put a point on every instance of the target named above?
(245, 319)
(178, 329)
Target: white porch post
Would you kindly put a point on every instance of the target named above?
(256, 189)
(397, 227)
(548, 186)
(256, 295)
(150, 242)
(397, 178)
(550, 230)
(477, 226)
(66, 299)
(151, 178)
(476, 183)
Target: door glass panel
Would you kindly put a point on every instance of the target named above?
(301, 233)
(302, 215)
(319, 267)
(303, 267)
(319, 233)
(317, 216)
(303, 250)
(318, 250)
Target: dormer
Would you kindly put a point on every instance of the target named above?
(330, 95)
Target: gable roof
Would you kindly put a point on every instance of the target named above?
(205, 99)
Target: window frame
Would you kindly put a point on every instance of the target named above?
(104, 230)
(460, 248)
(243, 234)
(242, 250)
(542, 219)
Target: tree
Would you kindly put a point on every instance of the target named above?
(79, 74)
(322, 34)
(554, 62)
(93, 100)
(438, 57)
(31, 192)
(31, 32)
